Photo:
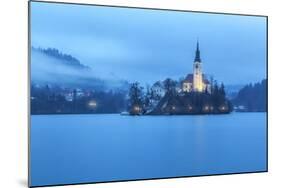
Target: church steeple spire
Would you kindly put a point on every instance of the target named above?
(197, 53)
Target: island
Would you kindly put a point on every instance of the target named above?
(195, 94)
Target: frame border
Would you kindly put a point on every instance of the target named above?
(143, 8)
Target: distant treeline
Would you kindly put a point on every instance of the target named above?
(46, 100)
(252, 97)
(136, 100)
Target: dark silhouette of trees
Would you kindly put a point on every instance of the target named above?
(169, 85)
(252, 97)
(136, 105)
(46, 100)
(148, 97)
(55, 100)
(193, 102)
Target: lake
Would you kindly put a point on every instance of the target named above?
(67, 149)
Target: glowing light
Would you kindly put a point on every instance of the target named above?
(189, 107)
(173, 107)
(137, 108)
(92, 104)
(206, 107)
(223, 108)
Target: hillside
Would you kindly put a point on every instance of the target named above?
(53, 67)
(252, 97)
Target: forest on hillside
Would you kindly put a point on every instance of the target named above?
(252, 97)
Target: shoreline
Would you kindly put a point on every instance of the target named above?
(195, 114)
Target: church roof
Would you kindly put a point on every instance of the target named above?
(188, 78)
(157, 84)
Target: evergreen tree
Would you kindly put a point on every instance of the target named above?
(252, 97)
(222, 91)
(215, 95)
(169, 85)
(136, 98)
(212, 83)
(147, 99)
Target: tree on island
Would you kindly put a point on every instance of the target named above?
(148, 99)
(136, 105)
(169, 86)
(218, 95)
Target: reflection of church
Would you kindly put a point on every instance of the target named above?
(197, 81)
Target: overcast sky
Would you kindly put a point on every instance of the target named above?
(150, 45)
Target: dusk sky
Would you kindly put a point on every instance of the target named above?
(150, 45)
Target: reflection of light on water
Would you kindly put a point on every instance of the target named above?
(199, 120)
(200, 136)
(193, 142)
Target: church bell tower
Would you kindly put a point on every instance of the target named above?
(198, 85)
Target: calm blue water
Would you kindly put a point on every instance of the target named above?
(68, 149)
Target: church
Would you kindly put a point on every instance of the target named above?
(196, 82)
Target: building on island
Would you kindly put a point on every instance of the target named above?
(158, 89)
(197, 81)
